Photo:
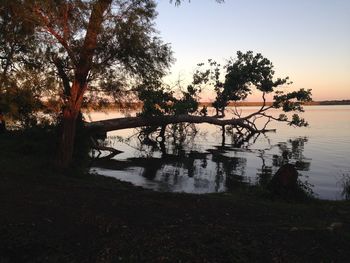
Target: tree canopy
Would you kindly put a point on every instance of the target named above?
(93, 48)
(240, 76)
(81, 52)
(126, 44)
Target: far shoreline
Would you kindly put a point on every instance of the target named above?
(138, 105)
(269, 103)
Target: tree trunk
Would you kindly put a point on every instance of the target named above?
(67, 136)
(79, 86)
(68, 125)
(134, 122)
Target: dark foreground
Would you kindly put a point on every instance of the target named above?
(50, 217)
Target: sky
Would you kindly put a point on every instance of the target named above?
(307, 40)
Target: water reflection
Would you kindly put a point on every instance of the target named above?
(178, 164)
(290, 151)
(328, 145)
(345, 183)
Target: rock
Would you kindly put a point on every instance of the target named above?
(285, 183)
(286, 177)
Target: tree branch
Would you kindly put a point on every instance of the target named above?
(65, 80)
(90, 40)
(55, 34)
(134, 122)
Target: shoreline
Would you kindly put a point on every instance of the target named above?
(138, 105)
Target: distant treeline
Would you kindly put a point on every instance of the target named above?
(312, 103)
(334, 102)
(138, 105)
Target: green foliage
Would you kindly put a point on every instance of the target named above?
(297, 121)
(246, 73)
(188, 103)
(20, 106)
(23, 78)
(292, 101)
(156, 100)
(242, 74)
(49, 36)
(129, 46)
(21, 98)
(160, 100)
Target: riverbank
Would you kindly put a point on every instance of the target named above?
(47, 216)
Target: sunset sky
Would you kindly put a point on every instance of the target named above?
(307, 40)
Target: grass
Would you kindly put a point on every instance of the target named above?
(46, 216)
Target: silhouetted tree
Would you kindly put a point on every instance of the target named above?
(110, 48)
(243, 74)
(22, 81)
(93, 47)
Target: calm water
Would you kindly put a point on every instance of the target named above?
(203, 164)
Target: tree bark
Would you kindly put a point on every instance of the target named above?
(80, 83)
(66, 141)
(134, 122)
(68, 126)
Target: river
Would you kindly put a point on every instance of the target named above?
(202, 163)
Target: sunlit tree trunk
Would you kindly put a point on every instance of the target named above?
(68, 126)
(73, 105)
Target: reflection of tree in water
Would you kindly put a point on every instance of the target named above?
(169, 139)
(345, 183)
(180, 158)
(290, 151)
(229, 170)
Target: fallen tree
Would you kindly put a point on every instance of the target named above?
(158, 121)
(243, 74)
(83, 53)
